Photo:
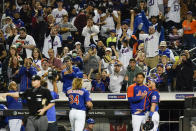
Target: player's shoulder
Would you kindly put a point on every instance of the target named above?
(84, 90)
(133, 85)
(155, 92)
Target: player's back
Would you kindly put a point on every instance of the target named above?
(134, 94)
(78, 98)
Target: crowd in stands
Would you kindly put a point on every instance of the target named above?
(105, 42)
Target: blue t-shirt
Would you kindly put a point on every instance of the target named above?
(51, 113)
(98, 86)
(152, 97)
(14, 103)
(78, 98)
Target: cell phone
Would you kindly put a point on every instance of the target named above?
(59, 50)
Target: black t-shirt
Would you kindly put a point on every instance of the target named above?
(36, 98)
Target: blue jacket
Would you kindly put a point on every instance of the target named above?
(68, 78)
(14, 103)
(139, 21)
(166, 52)
(18, 22)
(25, 77)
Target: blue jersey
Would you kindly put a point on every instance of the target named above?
(51, 113)
(86, 129)
(152, 97)
(14, 103)
(78, 98)
(134, 93)
(68, 78)
(96, 86)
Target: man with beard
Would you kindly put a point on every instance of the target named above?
(185, 72)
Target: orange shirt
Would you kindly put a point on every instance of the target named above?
(190, 25)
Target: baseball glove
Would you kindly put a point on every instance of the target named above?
(149, 125)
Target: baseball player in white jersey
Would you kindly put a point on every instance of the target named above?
(173, 11)
(59, 12)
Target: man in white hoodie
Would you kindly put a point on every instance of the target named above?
(90, 31)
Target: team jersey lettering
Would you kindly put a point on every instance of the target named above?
(151, 2)
(74, 99)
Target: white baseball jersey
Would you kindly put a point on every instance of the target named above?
(125, 54)
(48, 44)
(174, 13)
(153, 7)
(151, 44)
(58, 14)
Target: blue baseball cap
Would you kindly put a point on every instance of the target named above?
(112, 31)
(60, 0)
(152, 79)
(189, 13)
(125, 22)
(93, 45)
(90, 121)
(3, 107)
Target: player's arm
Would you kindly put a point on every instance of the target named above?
(15, 95)
(50, 101)
(137, 98)
(89, 104)
(88, 100)
(152, 110)
(131, 96)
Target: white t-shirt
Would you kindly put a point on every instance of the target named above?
(58, 14)
(27, 41)
(151, 44)
(110, 25)
(174, 13)
(87, 84)
(116, 79)
(153, 7)
(49, 82)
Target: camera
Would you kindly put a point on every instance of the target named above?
(110, 10)
(52, 74)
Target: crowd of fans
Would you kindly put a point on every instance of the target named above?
(105, 42)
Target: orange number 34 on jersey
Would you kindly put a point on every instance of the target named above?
(73, 99)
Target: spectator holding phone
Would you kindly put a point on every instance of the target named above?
(69, 72)
(185, 72)
(91, 60)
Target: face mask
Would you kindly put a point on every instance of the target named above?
(74, 54)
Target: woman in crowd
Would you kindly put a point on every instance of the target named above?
(13, 68)
(37, 56)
